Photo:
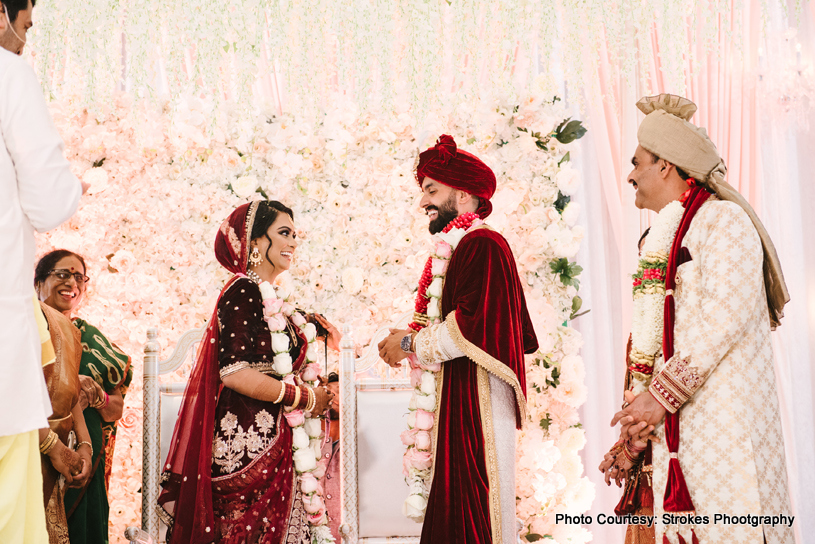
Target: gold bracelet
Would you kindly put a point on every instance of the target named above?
(49, 443)
(312, 400)
(86, 443)
(282, 393)
(296, 397)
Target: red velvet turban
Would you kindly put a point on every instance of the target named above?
(458, 169)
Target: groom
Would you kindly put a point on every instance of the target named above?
(480, 341)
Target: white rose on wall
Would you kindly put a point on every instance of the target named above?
(352, 280)
(244, 186)
(570, 213)
(97, 178)
(568, 180)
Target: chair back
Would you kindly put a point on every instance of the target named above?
(373, 413)
(161, 402)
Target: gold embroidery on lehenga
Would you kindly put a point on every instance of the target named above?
(228, 451)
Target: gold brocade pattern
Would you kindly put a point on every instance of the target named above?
(731, 447)
(228, 451)
(297, 531)
(491, 457)
(55, 521)
(486, 361)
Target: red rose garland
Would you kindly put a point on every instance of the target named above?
(420, 319)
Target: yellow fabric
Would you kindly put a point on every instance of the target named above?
(22, 514)
(48, 355)
(667, 133)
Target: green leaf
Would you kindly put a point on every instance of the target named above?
(575, 270)
(561, 202)
(565, 158)
(99, 163)
(533, 537)
(262, 193)
(569, 131)
(544, 423)
(577, 303)
(471, 141)
(559, 266)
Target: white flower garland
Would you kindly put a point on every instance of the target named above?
(649, 293)
(418, 457)
(307, 431)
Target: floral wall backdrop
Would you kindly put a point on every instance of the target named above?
(161, 184)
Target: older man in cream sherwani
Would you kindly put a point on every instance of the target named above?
(37, 191)
(714, 400)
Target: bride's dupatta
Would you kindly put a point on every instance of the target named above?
(187, 474)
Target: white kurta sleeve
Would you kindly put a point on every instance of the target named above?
(434, 345)
(730, 261)
(49, 193)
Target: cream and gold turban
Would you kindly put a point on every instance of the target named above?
(668, 133)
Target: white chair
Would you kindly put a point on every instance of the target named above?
(373, 413)
(161, 402)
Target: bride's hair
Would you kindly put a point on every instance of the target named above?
(265, 216)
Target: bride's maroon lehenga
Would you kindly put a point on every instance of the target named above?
(252, 471)
(229, 475)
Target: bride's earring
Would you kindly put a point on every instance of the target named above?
(254, 257)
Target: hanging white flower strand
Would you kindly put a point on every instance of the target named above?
(307, 431)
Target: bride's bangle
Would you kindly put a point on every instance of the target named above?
(312, 400)
(295, 403)
(282, 393)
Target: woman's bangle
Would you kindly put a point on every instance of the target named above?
(312, 400)
(288, 398)
(296, 402)
(48, 444)
(100, 404)
(85, 443)
(281, 395)
(304, 397)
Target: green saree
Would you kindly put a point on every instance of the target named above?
(88, 508)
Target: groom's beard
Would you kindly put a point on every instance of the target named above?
(447, 212)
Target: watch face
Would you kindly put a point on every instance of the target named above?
(405, 344)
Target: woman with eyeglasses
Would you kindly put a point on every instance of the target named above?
(104, 373)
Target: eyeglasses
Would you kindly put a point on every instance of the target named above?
(63, 275)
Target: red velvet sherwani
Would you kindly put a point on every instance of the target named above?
(487, 320)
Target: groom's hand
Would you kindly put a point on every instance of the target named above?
(390, 349)
(640, 416)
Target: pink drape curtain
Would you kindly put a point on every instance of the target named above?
(730, 107)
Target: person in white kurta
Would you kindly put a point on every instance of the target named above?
(729, 293)
(37, 191)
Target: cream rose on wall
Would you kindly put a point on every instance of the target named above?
(171, 180)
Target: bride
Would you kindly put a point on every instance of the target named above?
(234, 472)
